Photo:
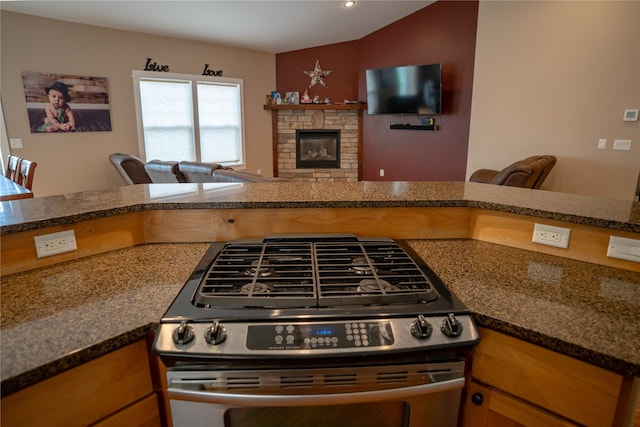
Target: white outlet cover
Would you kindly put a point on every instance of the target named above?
(624, 248)
(551, 236)
(55, 243)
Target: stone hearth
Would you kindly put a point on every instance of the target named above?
(289, 118)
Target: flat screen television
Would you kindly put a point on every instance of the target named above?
(411, 89)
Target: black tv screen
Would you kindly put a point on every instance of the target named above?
(412, 89)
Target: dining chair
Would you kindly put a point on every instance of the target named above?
(13, 168)
(27, 170)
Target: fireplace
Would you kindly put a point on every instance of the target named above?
(317, 149)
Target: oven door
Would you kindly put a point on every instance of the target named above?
(382, 396)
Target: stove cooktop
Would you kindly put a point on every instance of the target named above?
(328, 272)
(312, 295)
(311, 275)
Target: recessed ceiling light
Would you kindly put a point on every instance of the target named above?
(349, 3)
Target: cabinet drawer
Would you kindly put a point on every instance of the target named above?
(500, 410)
(563, 385)
(141, 414)
(84, 394)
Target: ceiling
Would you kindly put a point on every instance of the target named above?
(266, 25)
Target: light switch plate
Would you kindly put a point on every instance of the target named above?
(622, 144)
(624, 248)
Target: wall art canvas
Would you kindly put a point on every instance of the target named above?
(66, 103)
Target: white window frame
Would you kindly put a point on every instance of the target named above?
(194, 79)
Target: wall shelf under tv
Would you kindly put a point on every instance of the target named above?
(413, 127)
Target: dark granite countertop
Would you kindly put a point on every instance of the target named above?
(40, 212)
(58, 317)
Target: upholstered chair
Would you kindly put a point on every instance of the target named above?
(164, 171)
(528, 173)
(131, 168)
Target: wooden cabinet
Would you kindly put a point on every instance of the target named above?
(109, 389)
(490, 408)
(522, 384)
(140, 414)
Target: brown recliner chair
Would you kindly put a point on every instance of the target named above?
(131, 168)
(198, 171)
(161, 171)
(214, 172)
(528, 173)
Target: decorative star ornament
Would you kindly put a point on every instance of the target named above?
(317, 75)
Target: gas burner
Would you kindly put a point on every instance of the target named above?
(360, 265)
(299, 273)
(373, 285)
(257, 288)
(260, 269)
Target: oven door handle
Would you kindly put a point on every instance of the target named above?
(250, 400)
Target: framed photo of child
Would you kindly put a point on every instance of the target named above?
(66, 103)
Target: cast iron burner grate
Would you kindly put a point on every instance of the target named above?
(313, 274)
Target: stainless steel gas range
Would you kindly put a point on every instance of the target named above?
(308, 330)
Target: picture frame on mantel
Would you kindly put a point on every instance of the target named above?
(292, 98)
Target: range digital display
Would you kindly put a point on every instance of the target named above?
(356, 334)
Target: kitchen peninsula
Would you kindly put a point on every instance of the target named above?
(138, 244)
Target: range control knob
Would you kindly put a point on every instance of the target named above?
(421, 328)
(183, 334)
(451, 326)
(215, 334)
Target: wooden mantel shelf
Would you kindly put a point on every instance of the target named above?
(315, 106)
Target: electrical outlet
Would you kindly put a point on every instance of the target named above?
(624, 248)
(381, 172)
(55, 243)
(551, 236)
(602, 144)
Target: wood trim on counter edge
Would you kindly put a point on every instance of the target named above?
(93, 237)
(587, 243)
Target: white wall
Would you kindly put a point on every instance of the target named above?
(71, 162)
(553, 77)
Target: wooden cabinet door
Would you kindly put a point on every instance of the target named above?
(84, 394)
(490, 408)
(560, 384)
(141, 414)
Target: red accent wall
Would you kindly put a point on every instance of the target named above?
(342, 59)
(443, 32)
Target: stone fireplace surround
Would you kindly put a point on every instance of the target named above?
(286, 119)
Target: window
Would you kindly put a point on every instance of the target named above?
(183, 117)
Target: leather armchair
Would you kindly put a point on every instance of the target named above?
(225, 175)
(528, 173)
(161, 171)
(199, 171)
(131, 168)
(214, 172)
